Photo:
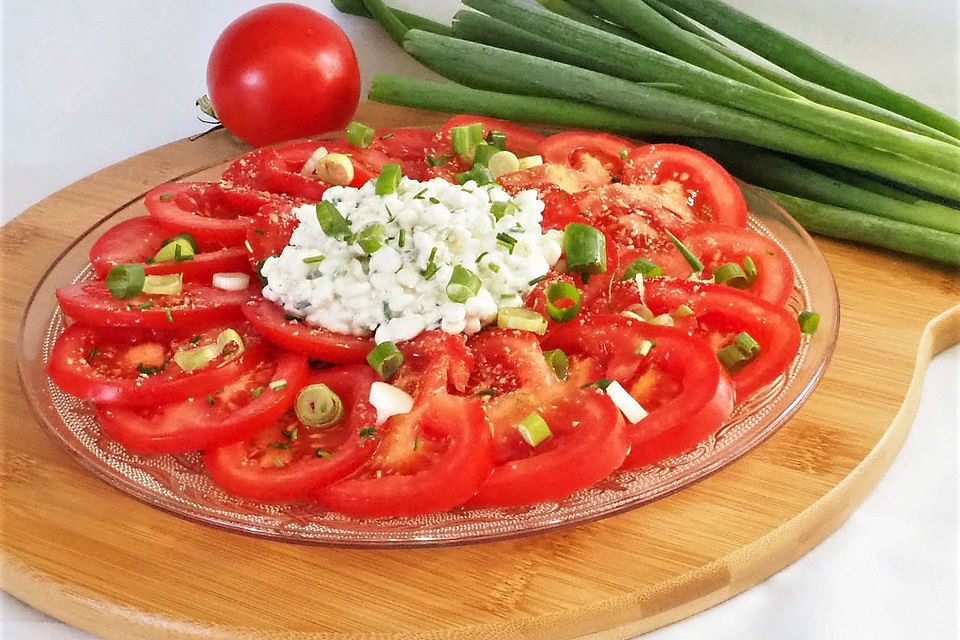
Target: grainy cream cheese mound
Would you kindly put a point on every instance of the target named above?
(398, 291)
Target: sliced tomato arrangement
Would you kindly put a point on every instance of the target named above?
(196, 305)
(137, 241)
(639, 358)
(206, 210)
(238, 409)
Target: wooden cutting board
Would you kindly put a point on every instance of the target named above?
(87, 554)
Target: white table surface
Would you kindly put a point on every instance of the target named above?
(88, 83)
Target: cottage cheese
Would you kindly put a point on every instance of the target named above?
(390, 292)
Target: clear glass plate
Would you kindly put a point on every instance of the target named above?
(178, 483)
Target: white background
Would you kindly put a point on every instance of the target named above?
(88, 83)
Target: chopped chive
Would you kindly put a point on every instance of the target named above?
(480, 257)
(289, 317)
(623, 154)
(290, 434)
(419, 196)
(537, 280)
(691, 259)
(386, 136)
(602, 383)
(93, 353)
(434, 161)
(416, 442)
(277, 462)
(146, 305)
(809, 322)
(195, 339)
(369, 433)
(314, 259)
(434, 201)
(169, 315)
(642, 267)
(320, 453)
(507, 241)
(493, 266)
(259, 231)
(485, 392)
(257, 392)
(164, 197)
(211, 400)
(401, 240)
(280, 445)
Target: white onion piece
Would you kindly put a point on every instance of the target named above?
(311, 164)
(630, 408)
(231, 281)
(389, 401)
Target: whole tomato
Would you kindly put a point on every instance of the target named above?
(283, 71)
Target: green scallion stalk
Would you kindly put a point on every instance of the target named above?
(360, 135)
(318, 406)
(562, 291)
(585, 248)
(570, 42)
(386, 359)
(776, 172)
(463, 285)
(409, 20)
(389, 179)
(808, 63)
(426, 94)
(514, 72)
(557, 360)
(870, 229)
(386, 19)
(574, 12)
(125, 280)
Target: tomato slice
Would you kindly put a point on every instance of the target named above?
(197, 305)
(713, 192)
(718, 244)
(274, 324)
(206, 210)
(561, 176)
(434, 361)
(236, 411)
(680, 382)
(588, 437)
(290, 460)
(268, 231)
(520, 140)
(431, 459)
(722, 312)
(597, 155)
(136, 240)
(135, 367)
(409, 147)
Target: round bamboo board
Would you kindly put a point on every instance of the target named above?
(91, 556)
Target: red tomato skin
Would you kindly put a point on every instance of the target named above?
(723, 309)
(589, 439)
(340, 348)
(570, 147)
(718, 244)
(230, 469)
(717, 198)
(520, 140)
(137, 429)
(449, 481)
(68, 367)
(206, 210)
(283, 71)
(134, 241)
(198, 305)
(680, 424)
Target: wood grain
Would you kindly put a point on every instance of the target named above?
(75, 548)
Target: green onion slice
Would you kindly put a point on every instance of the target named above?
(644, 347)
(522, 319)
(389, 179)
(372, 237)
(750, 269)
(497, 138)
(585, 249)
(318, 406)
(360, 135)
(165, 285)
(185, 237)
(534, 429)
(466, 138)
(732, 358)
(746, 343)
(126, 280)
(693, 260)
(176, 250)
(682, 310)
(193, 359)
(500, 209)
(385, 359)
(642, 267)
(558, 361)
(464, 284)
(809, 322)
(332, 221)
(731, 274)
(228, 337)
(562, 291)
